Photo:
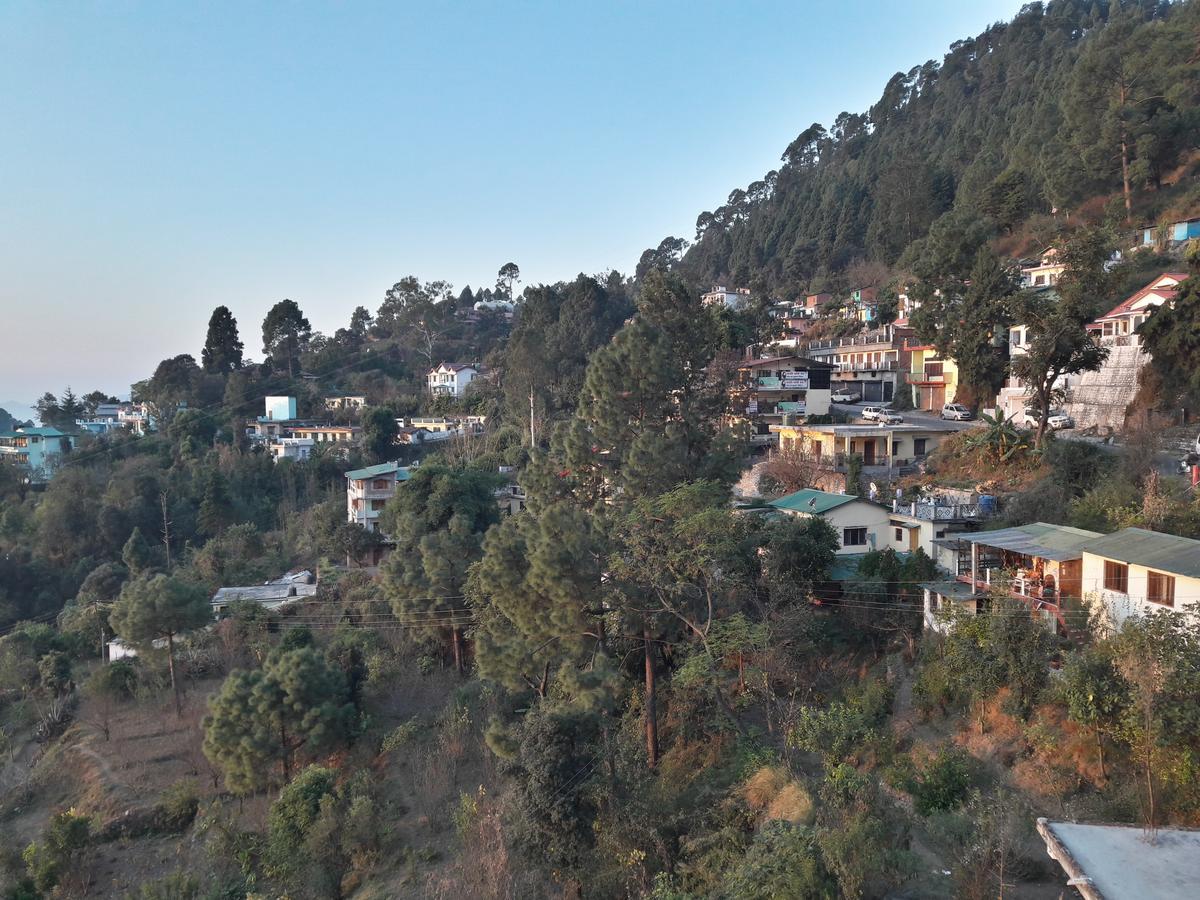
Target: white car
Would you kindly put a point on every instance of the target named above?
(872, 412)
(956, 412)
(1057, 420)
(844, 396)
(889, 417)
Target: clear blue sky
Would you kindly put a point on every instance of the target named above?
(159, 159)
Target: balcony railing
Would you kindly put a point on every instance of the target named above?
(881, 366)
(1035, 592)
(939, 512)
(925, 378)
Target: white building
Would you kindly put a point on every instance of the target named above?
(862, 526)
(280, 409)
(369, 489)
(451, 378)
(723, 296)
(353, 401)
(1134, 571)
(1045, 273)
(291, 448)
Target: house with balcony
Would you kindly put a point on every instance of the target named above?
(723, 296)
(1100, 398)
(1040, 565)
(369, 489)
(769, 392)
(291, 448)
(871, 365)
(37, 452)
(933, 379)
(1134, 571)
(877, 445)
(1045, 272)
(350, 401)
(452, 379)
(930, 521)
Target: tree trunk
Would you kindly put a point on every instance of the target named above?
(651, 699)
(1100, 750)
(1125, 187)
(456, 640)
(171, 668)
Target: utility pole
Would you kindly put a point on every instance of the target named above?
(166, 527)
(532, 426)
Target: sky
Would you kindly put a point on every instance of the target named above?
(161, 159)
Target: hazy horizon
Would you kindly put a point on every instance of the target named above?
(163, 161)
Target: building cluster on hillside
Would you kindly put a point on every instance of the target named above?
(881, 361)
(283, 434)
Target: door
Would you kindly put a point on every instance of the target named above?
(869, 452)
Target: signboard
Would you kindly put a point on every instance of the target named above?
(752, 407)
(795, 381)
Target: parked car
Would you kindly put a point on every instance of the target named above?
(871, 412)
(889, 417)
(956, 412)
(843, 396)
(1057, 420)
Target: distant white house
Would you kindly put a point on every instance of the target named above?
(351, 401)
(723, 296)
(451, 378)
(861, 525)
(298, 448)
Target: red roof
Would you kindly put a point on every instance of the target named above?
(1164, 293)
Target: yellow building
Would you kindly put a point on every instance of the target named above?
(878, 445)
(934, 380)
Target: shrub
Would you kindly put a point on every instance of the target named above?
(402, 735)
(177, 807)
(48, 860)
(783, 861)
(944, 783)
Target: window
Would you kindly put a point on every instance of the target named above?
(1116, 577)
(1161, 589)
(899, 535)
(854, 537)
(919, 446)
(379, 484)
(377, 505)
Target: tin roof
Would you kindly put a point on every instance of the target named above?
(1056, 542)
(1162, 552)
(386, 468)
(811, 501)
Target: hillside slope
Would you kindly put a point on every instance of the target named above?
(1028, 118)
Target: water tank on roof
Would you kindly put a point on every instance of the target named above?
(987, 504)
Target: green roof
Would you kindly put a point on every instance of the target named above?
(387, 468)
(954, 590)
(1057, 542)
(1162, 552)
(810, 501)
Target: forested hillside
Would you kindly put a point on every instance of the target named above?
(1072, 109)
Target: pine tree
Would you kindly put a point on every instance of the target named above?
(157, 607)
(286, 333)
(222, 351)
(537, 594)
(137, 554)
(216, 506)
(437, 521)
(295, 703)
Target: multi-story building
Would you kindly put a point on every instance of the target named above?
(934, 380)
(723, 296)
(768, 390)
(1040, 565)
(37, 452)
(1045, 272)
(451, 378)
(291, 448)
(369, 489)
(871, 365)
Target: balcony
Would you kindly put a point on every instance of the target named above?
(889, 365)
(940, 512)
(925, 378)
(1038, 593)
